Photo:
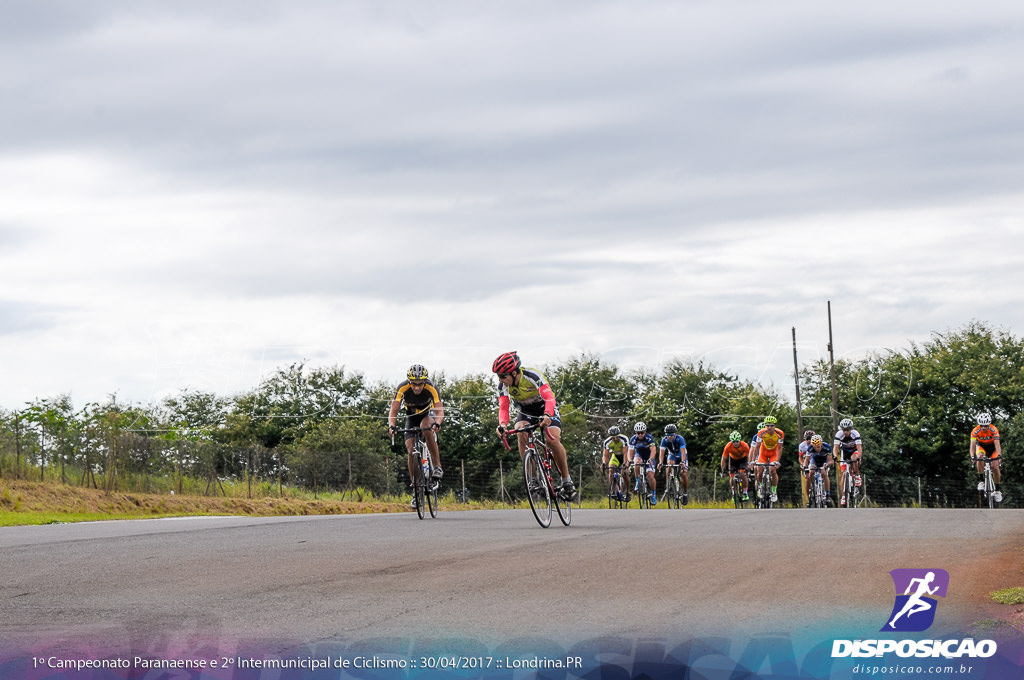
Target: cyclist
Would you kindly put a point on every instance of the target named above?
(766, 449)
(734, 460)
(816, 457)
(423, 409)
(804, 445)
(530, 391)
(850, 450)
(641, 452)
(986, 437)
(674, 446)
(613, 455)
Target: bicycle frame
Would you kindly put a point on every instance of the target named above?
(538, 465)
(850, 492)
(643, 490)
(764, 485)
(990, 484)
(673, 486)
(424, 486)
(617, 494)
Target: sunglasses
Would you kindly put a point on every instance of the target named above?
(417, 383)
(502, 376)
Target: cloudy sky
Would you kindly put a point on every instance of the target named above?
(193, 194)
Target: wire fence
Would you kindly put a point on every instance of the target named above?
(501, 482)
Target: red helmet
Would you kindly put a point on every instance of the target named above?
(506, 363)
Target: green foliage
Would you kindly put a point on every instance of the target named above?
(321, 428)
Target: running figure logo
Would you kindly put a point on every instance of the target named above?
(914, 610)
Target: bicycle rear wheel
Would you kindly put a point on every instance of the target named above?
(990, 489)
(537, 488)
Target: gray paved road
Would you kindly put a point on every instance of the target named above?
(486, 575)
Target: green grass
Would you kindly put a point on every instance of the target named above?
(1009, 596)
(10, 519)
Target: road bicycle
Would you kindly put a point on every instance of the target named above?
(851, 493)
(988, 493)
(673, 487)
(736, 488)
(538, 470)
(424, 486)
(641, 490)
(816, 488)
(764, 486)
(618, 495)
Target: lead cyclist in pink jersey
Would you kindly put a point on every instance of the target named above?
(536, 402)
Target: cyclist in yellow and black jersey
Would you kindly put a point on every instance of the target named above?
(613, 455)
(423, 409)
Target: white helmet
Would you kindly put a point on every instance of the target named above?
(845, 424)
(640, 427)
(984, 419)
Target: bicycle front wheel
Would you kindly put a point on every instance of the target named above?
(564, 508)
(990, 490)
(432, 485)
(537, 488)
(672, 493)
(419, 489)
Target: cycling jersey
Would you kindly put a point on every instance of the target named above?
(736, 452)
(616, 444)
(846, 443)
(617, 447)
(532, 395)
(985, 436)
(770, 439)
(820, 455)
(642, 446)
(674, 446)
(415, 404)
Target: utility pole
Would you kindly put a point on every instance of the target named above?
(796, 383)
(832, 372)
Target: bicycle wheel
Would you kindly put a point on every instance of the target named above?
(564, 508)
(419, 487)
(537, 488)
(848, 489)
(990, 488)
(431, 486)
(643, 496)
(672, 493)
(616, 492)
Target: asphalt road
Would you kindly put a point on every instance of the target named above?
(172, 585)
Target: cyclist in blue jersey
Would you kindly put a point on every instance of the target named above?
(641, 451)
(816, 457)
(673, 447)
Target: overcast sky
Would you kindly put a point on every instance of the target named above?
(193, 194)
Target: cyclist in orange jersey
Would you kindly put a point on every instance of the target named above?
(734, 460)
(986, 437)
(766, 449)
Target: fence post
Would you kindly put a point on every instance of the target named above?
(919, 504)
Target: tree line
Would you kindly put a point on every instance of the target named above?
(322, 428)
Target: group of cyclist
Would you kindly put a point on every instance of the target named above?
(813, 454)
(638, 452)
(532, 395)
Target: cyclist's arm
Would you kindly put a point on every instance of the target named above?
(503, 404)
(974, 448)
(661, 456)
(393, 413)
(755, 450)
(438, 412)
(549, 400)
(999, 449)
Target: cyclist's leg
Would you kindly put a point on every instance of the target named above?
(554, 440)
(431, 439)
